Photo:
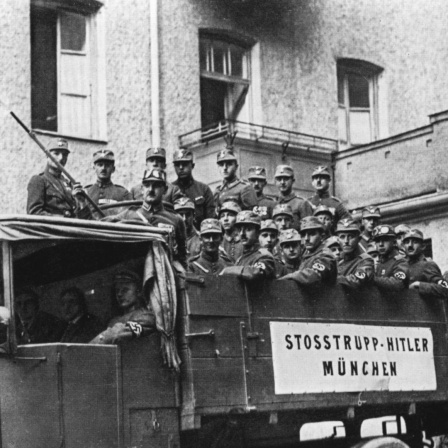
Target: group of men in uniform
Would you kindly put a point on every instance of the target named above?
(240, 231)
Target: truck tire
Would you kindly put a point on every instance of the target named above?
(382, 442)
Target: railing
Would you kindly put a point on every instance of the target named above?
(256, 132)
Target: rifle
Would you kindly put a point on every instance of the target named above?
(60, 167)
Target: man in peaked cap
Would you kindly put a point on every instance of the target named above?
(283, 216)
(284, 179)
(370, 218)
(289, 241)
(156, 158)
(255, 263)
(257, 177)
(335, 246)
(268, 239)
(103, 191)
(49, 193)
(210, 260)
(321, 181)
(326, 216)
(196, 191)
(185, 208)
(231, 243)
(392, 271)
(152, 212)
(356, 267)
(424, 274)
(318, 263)
(232, 187)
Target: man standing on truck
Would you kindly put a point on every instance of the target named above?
(257, 177)
(289, 241)
(370, 219)
(231, 243)
(392, 271)
(185, 208)
(50, 194)
(424, 274)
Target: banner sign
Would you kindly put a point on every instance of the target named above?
(314, 357)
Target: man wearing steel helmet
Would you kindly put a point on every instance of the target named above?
(392, 271)
(50, 194)
(185, 208)
(210, 260)
(424, 274)
(318, 263)
(254, 263)
(321, 180)
(370, 217)
(356, 267)
(257, 177)
(289, 242)
(198, 192)
(284, 179)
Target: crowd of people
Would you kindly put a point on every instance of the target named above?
(240, 231)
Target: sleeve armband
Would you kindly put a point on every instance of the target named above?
(260, 265)
(318, 267)
(135, 328)
(443, 283)
(360, 275)
(400, 275)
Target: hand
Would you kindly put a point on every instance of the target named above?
(415, 285)
(79, 195)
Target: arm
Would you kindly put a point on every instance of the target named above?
(398, 280)
(181, 240)
(209, 204)
(435, 286)
(342, 212)
(363, 274)
(305, 209)
(36, 197)
(248, 198)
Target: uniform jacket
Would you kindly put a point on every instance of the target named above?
(332, 202)
(170, 197)
(108, 193)
(202, 197)
(392, 272)
(291, 267)
(364, 242)
(258, 258)
(356, 270)
(265, 207)
(83, 330)
(45, 328)
(50, 194)
(280, 268)
(193, 244)
(240, 190)
(203, 265)
(300, 207)
(430, 277)
(232, 245)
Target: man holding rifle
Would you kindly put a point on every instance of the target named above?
(49, 193)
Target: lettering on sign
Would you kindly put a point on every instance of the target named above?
(313, 358)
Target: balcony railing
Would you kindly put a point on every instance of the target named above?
(256, 132)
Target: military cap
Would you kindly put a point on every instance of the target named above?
(383, 230)
(347, 225)
(154, 174)
(371, 248)
(289, 236)
(225, 155)
(402, 228)
(183, 155)
(184, 204)
(284, 170)
(156, 152)
(310, 223)
(211, 225)
(323, 209)
(413, 233)
(59, 143)
(126, 276)
(282, 209)
(104, 154)
(257, 172)
(329, 242)
(230, 206)
(371, 212)
(268, 224)
(321, 171)
(247, 217)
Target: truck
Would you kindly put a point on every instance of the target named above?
(263, 364)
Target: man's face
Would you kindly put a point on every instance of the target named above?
(26, 307)
(183, 169)
(291, 251)
(248, 234)
(153, 192)
(320, 183)
(385, 245)
(311, 238)
(228, 169)
(326, 220)
(400, 244)
(210, 243)
(61, 155)
(268, 239)
(349, 241)
(414, 247)
(188, 217)
(336, 251)
(258, 185)
(104, 169)
(369, 224)
(283, 222)
(71, 308)
(227, 220)
(284, 184)
(126, 294)
(155, 162)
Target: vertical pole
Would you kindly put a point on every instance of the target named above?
(9, 295)
(155, 73)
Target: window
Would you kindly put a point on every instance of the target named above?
(64, 71)
(225, 79)
(358, 102)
